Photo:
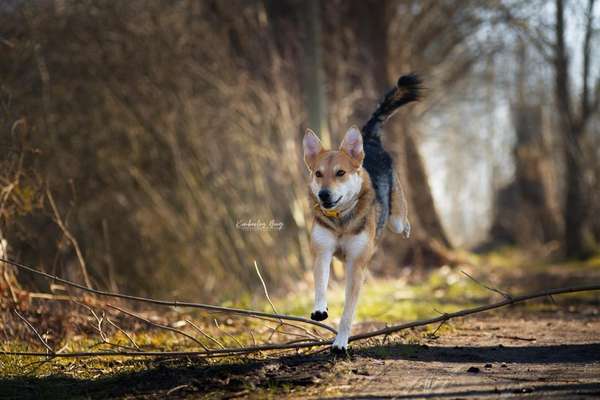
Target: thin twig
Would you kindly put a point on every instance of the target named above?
(265, 288)
(99, 320)
(206, 335)
(433, 334)
(46, 345)
(516, 338)
(49, 296)
(282, 332)
(156, 324)
(503, 294)
(239, 311)
(384, 331)
(298, 341)
(228, 334)
(109, 343)
(301, 328)
(6, 277)
(268, 299)
(71, 238)
(253, 338)
(123, 332)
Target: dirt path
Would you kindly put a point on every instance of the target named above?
(543, 358)
(553, 355)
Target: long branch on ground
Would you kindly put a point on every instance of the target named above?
(295, 345)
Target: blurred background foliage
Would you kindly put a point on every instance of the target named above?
(156, 128)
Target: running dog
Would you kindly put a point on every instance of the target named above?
(355, 193)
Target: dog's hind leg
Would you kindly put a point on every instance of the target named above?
(323, 243)
(398, 222)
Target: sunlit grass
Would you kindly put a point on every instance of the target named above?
(443, 290)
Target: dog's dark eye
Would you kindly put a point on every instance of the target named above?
(318, 174)
(341, 172)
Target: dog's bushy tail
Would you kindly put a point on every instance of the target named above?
(408, 89)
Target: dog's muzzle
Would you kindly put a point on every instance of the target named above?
(326, 199)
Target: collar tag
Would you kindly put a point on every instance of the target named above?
(328, 213)
(331, 214)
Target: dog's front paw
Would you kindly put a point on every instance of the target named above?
(340, 345)
(339, 351)
(319, 315)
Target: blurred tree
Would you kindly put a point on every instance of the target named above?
(523, 214)
(574, 121)
(427, 37)
(313, 73)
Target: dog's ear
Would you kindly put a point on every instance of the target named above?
(352, 145)
(312, 148)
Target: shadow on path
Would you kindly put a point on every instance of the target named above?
(571, 353)
(187, 377)
(539, 391)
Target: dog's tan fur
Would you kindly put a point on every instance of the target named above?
(351, 234)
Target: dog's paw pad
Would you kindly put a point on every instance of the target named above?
(339, 351)
(319, 315)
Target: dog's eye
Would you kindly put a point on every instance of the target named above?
(341, 172)
(318, 174)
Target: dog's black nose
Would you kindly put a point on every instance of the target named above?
(325, 196)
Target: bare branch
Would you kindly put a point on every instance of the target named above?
(161, 326)
(228, 334)
(206, 335)
(251, 313)
(476, 310)
(70, 237)
(99, 321)
(433, 334)
(301, 328)
(503, 294)
(123, 332)
(264, 287)
(384, 331)
(46, 345)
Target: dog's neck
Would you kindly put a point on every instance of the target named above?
(338, 213)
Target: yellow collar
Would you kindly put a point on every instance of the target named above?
(327, 213)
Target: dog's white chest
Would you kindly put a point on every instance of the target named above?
(345, 247)
(353, 246)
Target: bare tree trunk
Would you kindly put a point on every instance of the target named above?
(425, 219)
(313, 72)
(576, 240)
(522, 210)
(373, 37)
(577, 244)
(420, 198)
